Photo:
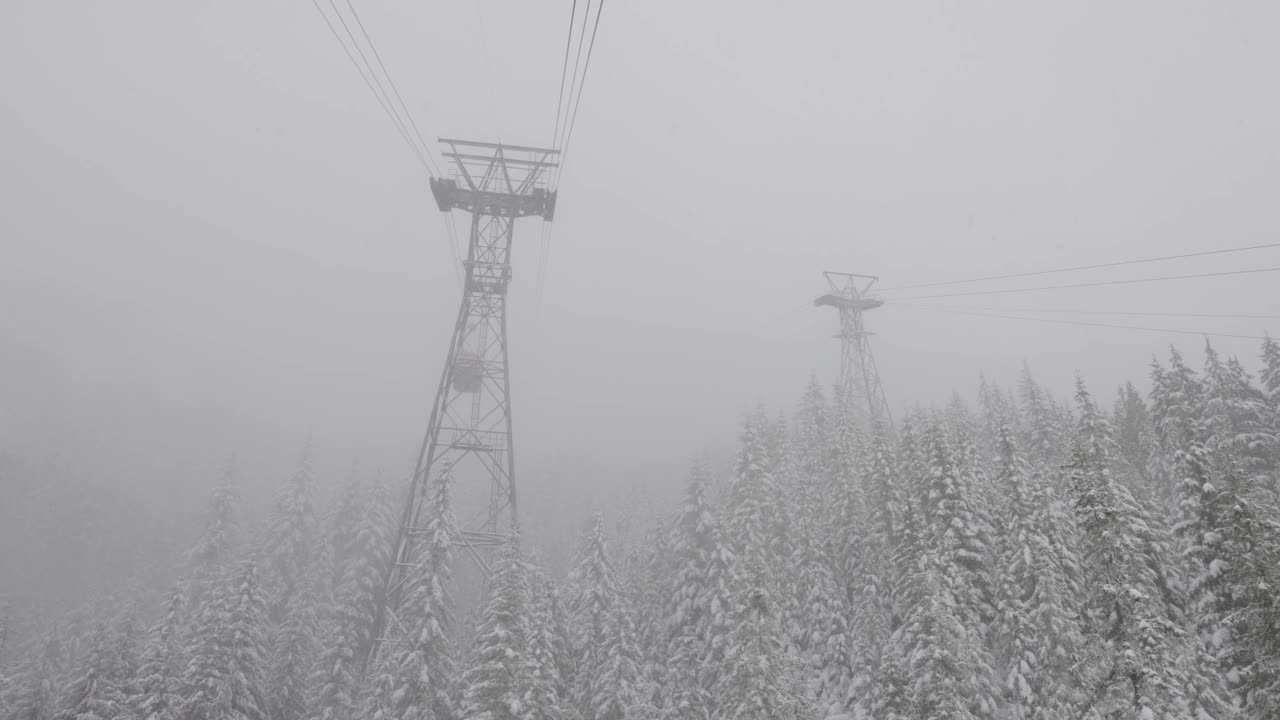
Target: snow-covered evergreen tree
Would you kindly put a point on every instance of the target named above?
(158, 685)
(1036, 634)
(423, 669)
(496, 683)
(1125, 619)
(760, 682)
(698, 615)
(593, 597)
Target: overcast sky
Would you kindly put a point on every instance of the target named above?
(213, 240)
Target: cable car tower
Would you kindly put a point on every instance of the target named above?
(859, 379)
(469, 431)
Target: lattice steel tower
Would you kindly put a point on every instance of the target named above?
(859, 379)
(469, 433)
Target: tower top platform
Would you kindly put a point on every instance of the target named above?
(496, 179)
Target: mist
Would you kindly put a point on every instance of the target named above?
(216, 245)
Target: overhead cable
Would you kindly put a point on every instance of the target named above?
(391, 81)
(1093, 324)
(393, 117)
(1093, 284)
(564, 72)
(1101, 312)
(1082, 267)
(573, 118)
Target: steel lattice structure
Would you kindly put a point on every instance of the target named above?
(469, 432)
(859, 378)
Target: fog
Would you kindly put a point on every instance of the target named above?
(215, 244)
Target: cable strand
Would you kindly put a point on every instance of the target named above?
(426, 148)
(1090, 284)
(1093, 324)
(385, 108)
(1082, 267)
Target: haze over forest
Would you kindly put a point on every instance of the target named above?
(218, 253)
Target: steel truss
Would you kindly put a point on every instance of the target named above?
(859, 378)
(469, 434)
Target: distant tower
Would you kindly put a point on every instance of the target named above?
(469, 433)
(859, 379)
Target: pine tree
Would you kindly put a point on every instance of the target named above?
(1042, 435)
(953, 529)
(423, 669)
(34, 692)
(592, 601)
(753, 495)
(1036, 634)
(94, 692)
(224, 678)
(759, 684)
(1125, 617)
(159, 675)
(699, 607)
(550, 650)
(290, 544)
(618, 685)
(496, 683)
(292, 586)
(360, 565)
(940, 657)
(212, 553)
(294, 648)
(871, 538)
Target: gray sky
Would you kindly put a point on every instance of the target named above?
(213, 240)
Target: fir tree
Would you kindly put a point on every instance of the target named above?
(359, 562)
(424, 669)
(618, 685)
(759, 684)
(1036, 634)
(212, 553)
(699, 607)
(497, 681)
(593, 598)
(550, 650)
(1125, 618)
(34, 692)
(159, 675)
(291, 537)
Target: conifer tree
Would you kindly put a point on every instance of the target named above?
(618, 685)
(94, 692)
(550, 650)
(291, 537)
(1126, 621)
(359, 563)
(159, 675)
(699, 607)
(35, 689)
(592, 602)
(292, 584)
(224, 678)
(213, 551)
(424, 669)
(760, 681)
(752, 497)
(1042, 435)
(496, 683)
(1036, 634)
(953, 531)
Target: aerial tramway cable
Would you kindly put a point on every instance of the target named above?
(392, 116)
(1090, 324)
(1083, 267)
(1010, 291)
(1231, 316)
